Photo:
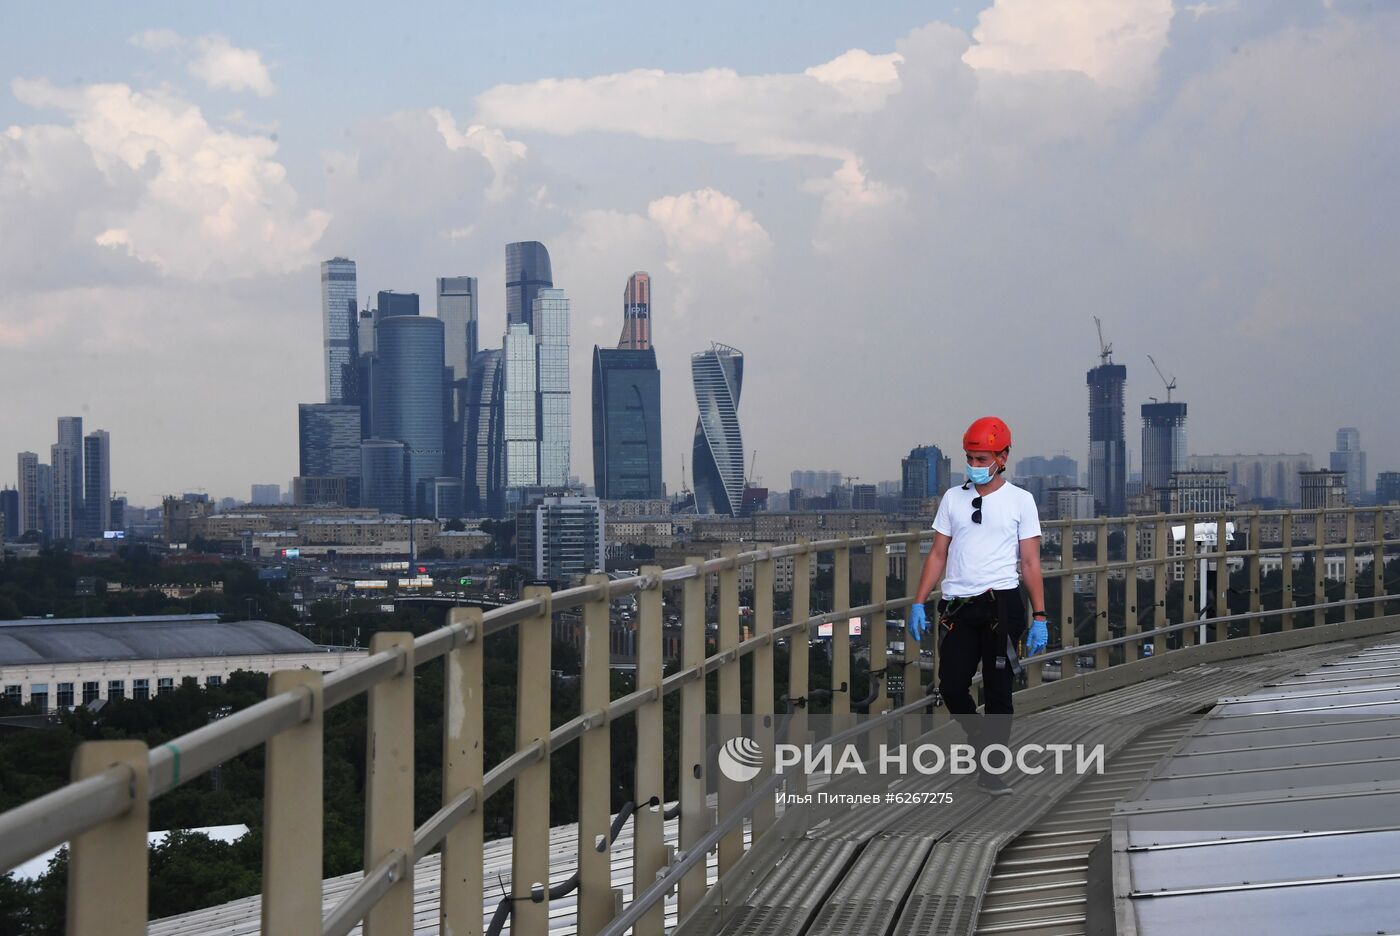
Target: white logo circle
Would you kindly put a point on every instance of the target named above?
(740, 759)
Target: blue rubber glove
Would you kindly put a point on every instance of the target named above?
(918, 621)
(1037, 638)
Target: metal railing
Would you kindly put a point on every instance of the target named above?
(103, 812)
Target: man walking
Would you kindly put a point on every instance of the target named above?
(981, 531)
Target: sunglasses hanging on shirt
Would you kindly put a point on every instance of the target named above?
(977, 510)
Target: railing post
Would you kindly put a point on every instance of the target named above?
(530, 850)
(1222, 574)
(1320, 569)
(765, 814)
(1161, 535)
(1131, 624)
(108, 883)
(389, 787)
(875, 628)
(1349, 574)
(1068, 665)
(648, 840)
(463, 739)
(595, 892)
(798, 659)
(1101, 628)
(292, 803)
(1285, 533)
(1256, 601)
(695, 812)
(1190, 606)
(841, 630)
(731, 794)
(1378, 563)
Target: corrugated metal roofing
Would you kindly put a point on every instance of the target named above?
(243, 917)
(78, 640)
(1281, 814)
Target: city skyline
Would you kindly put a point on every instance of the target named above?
(1260, 256)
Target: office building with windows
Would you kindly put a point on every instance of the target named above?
(1108, 469)
(561, 539)
(551, 329)
(718, 449)
(63, 513)
(519, 399)
(1388, 487)
(926, 473)
(636, 313)
(328, 438)
(483, 458)
(390, 303)
(28, 486)
(1196, 492)
(457, 307)
(1323, 489)
(9, 514)
(340, 328)
(384, 475)
(97, 483)
(407, 399)
(1163, 443)
(626, 424)
(1351, 461)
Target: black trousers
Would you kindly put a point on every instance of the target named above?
(974, 632)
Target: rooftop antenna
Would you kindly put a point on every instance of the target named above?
(1105, 350)
(1171, 384)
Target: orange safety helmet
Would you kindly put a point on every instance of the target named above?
(988, 434)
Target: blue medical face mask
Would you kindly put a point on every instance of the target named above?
(979, 474)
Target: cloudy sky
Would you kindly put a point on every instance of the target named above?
(905, 217)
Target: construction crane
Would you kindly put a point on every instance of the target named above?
(1171, 384)
(753, 462)
(1105, 350)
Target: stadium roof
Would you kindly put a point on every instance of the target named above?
(37, 641)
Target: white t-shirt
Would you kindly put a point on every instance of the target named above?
(985, 555)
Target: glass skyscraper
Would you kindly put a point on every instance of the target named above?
(97, 483)
(392, 303)
(328, 438)
(521, 426)
(340, 327)
(482, 443)
(718, 377)
(1349, 458)
(384, 475)
(551, 318)
(926, 473)
(407, 394)
(457, 307)
(1108, 468)
(626, 424)
(527, 272)
(1163, 443)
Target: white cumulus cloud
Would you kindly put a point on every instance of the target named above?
(213, 59)
(171, 191)
(1114, 42)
